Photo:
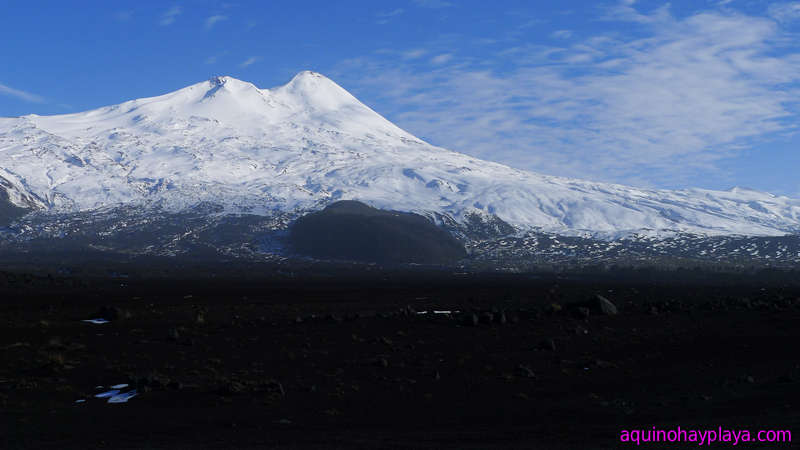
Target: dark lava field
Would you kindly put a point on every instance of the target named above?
(392, 360)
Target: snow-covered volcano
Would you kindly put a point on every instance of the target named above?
(308, 143)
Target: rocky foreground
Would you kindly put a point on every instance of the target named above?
(456, 361)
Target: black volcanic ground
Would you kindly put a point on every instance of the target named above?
(275, 357)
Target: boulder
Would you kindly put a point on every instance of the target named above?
(596, 305)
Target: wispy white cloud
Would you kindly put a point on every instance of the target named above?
(785, 12)
(657, 108)
(414, 53)
(169, 16)
(441, 59)
(395, 12)
(250, 61)
(561, 34)
(22, 95)
(213, 20)
(384, 16)
(433, 3)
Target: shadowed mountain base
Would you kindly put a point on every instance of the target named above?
(8, 211)
(352, 230)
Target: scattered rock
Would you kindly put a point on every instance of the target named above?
(597, 305)
(524, 372)
(582, 312)
(173, 334)
(274, 387)
(200, 316)
(230, 387)
(470, 320)
(547, 344)
(599, 363)
(604, 305)
(16, 345)
(153, 382)
(381, 362)
(786, 378)
(109, 313)
(332, 318)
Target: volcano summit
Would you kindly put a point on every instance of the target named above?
(224, 148)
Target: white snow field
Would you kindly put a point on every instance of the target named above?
(308, 143)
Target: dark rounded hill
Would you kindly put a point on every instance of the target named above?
(8, 211)
(354, 231)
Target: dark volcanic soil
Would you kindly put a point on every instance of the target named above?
(243, 363)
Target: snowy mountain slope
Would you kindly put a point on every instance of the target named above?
(308, 143)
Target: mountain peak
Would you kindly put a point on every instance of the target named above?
(309, 75)
(316, 91)
(218, 80)
(307, 90)
(309, 142)
(229, 84)
(306, 79)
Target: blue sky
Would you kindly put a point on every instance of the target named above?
(697, 93)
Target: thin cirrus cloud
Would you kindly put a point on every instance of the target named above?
(249, 61)
(395, 12)
(441, 59)
(433, 3)
(414, 53)
(169, 16)
(785, 12)
(384, 16)
(561, 34)
(652, 109)
(213, 20)
(22, 95)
